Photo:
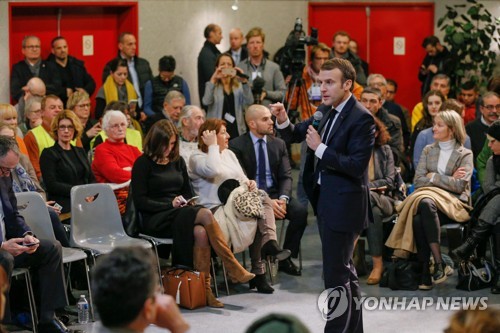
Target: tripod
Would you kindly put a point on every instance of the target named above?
(297, 82)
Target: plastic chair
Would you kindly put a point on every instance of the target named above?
(32, 207)
(31, 296)
(96, 224)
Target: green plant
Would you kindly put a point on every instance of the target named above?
(469, 32)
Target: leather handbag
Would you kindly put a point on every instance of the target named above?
(474, 274)
(401, 275)
(186, 286)
(131, 219)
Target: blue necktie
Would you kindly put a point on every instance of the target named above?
(261, 173)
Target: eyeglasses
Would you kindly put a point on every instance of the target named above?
(492, 107)
(87, 105)
(117, 126)
(66, 127)
(32, 47)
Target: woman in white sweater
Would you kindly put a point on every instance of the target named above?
(213, 164)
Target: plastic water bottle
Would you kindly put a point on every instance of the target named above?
(83, 310)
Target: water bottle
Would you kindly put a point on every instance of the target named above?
(83, 310)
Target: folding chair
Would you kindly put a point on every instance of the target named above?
(31, 296)
(32, 207)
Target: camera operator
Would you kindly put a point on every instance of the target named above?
(258, 66)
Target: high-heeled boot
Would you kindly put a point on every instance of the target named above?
(201, 258)
(235, 271)
(478, 234)
(495, 287)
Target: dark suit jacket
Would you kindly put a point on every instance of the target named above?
(81, 78)
(343, 199)
(60, 173)
(281, 172)
(477, 133)
(49, 74)
(206, 65)
(14, 222)
(243, 54)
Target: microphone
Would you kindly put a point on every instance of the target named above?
(317, 116)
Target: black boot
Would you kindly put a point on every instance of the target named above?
(478, 234)
(495, 287)
(260, 282)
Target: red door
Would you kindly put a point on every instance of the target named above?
(374, 26)
(73, 20)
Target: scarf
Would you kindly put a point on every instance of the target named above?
(22, 181)
(111, 90)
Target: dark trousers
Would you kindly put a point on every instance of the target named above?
(46, 264)
(339, 272)
(296, 213)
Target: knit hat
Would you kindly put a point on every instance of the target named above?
(494, 130)
(166, 64)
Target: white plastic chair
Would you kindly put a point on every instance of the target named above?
(32, 207)
(31, 296)
(96, 224)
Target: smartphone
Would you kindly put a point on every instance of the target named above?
(57, 206)
(133, 102)
(229, 71)
(31, 244)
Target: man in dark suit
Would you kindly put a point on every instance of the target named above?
(20, 248)
(208, 56)
(277, 174)
(336, 182)
(237, 50)
(34, 66)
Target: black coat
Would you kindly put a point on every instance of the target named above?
(206, 65)
(49, 74)
(81, 78)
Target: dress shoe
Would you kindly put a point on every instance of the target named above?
(53, 326)
(260, 282)
(272, 249)
(441, 272)
(287, 266)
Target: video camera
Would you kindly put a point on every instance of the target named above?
(293, 59)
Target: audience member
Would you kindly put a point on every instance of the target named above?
(116, 87)
(208, 56)
(172, 106)
(113, 159)
(378, 81)
(33, 66)
(74, 76)
(139, 71)
(39, 138)
(468, 95)
(371, 98)
(138, 305)
(211, 166)
(475, 321)
(133, 135)
(277, 323)
(228, 95)
(442, 196)
(190, 120)
(4, 287)
(156, 89)
(237, 50)
(433, 103)
(390, 96)
(34, 88)
(24, 180)
(42, 256)
(256, 65)
(79, 103)
(161, 187)
(353, 47)
(488, 222)
(440, 82)
(8, 115)
(63, 165)
(381, 176)
(438, 60)
(273, 175)
(32, 114)
(477, 129)
(340, 48)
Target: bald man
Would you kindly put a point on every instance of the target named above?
(238, 51)
(277, 176)
(34, 87)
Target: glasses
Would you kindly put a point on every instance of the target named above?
(66, 127)
(32, 47)
(117, 126)
(492, 107)
(87, 105)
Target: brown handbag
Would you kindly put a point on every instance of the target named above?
(186, 286)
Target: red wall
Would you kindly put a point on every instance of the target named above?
(414, 21)
(105, 21)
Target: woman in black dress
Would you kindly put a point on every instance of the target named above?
(161, 186)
